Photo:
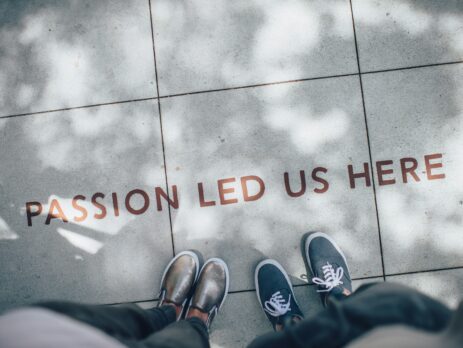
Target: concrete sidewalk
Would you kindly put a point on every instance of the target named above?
(261, 120)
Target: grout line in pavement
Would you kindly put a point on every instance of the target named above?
(369, 143)
(411, 67)
(228, 89)
(78, 107)
(309, 284)
(257, 85)
(305, 79)
(425, 271)
(162, 133)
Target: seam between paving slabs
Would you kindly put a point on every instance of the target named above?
(227, 89)
(256, 85)
(160, 123)
(368, 141)
(238, 291)
(311, 284)
(425, 271)
(32, 113)
(308, 79)
(411, 67)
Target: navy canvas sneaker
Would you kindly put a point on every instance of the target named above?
(275, 294)
(327, 264)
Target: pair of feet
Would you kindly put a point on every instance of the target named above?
(197, 290)
(193, 288)
(328, 266)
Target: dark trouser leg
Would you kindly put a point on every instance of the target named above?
(190, 333)
(136, 327)
(369, 307)
(125, 323)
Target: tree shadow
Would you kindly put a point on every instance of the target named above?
(59, 54)
(62, 54)
(107, 149)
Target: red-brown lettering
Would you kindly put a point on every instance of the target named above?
(51, 215)
(409, 170)
(146, 202)
(80, 208)
(430, 166)
(288, 187)
(381, 172)
(202, 201)
(365, 174)
(172, 202)
(322, 181)
(102, 213)
(223, 191)
(259, 194)
(30, 213)
(115, 204)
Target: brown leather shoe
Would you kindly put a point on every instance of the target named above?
(179, 278)
(211, 288)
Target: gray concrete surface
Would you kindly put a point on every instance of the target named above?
(394, 34)
(57, 156)
(75, 54)
(204, 46)
(413, 114)
(446, 285)
(58, 54)
(268, 131)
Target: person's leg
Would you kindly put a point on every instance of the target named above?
(323, 259)
(347, 317)
(131, 323)
(189, 333)
(389, 303)
(125, 322)
(344, 320)
(372, 305)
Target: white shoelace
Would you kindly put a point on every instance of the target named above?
(276, 306)
(332, 278)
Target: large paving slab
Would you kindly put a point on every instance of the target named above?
(445, 286)
(403, 33)
(107, 257)
(267, 131)
(57, 54)
(203, 45)
(412, 114)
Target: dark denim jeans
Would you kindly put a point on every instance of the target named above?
(135, 327)
(347, 318)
